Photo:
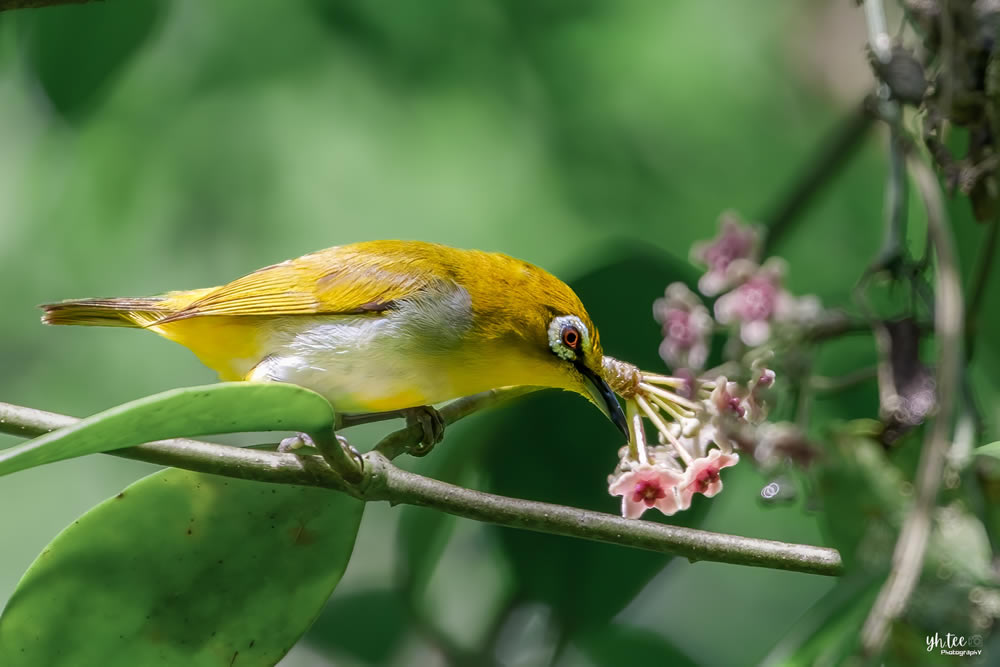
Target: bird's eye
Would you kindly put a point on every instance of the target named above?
(568, 336)
(571, 337)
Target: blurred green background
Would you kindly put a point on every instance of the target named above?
(148, 146)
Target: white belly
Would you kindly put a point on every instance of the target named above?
(370, 363)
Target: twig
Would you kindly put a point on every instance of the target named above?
(878, 31)
(384, 481)
(825, 384)
(908, 556)
(834, 325)
(890, 257)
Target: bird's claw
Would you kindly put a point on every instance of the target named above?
(349, 448)
(297, 441)
(432, 424)
(300, 440)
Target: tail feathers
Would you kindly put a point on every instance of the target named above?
(127, 312)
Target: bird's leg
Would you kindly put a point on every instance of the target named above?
(343, 458)
(430, 420)
(432, 424)
(297, 441)
(300, 440)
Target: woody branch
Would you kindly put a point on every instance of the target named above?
(383, 481)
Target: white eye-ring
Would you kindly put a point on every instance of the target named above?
(568, 335)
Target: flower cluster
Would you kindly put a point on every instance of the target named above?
(701, 416)
(694, 420)
(755, 303)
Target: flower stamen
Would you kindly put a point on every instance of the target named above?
(670, 409)
(668, 395)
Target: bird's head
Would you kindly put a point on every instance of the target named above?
(541, 317)
(576, 347)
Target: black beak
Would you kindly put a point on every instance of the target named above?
(605, 399)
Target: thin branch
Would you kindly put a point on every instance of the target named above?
(828, 385)
(908, 556)
(384, 481)
(890, 256)
(835, 324)
(401, 486)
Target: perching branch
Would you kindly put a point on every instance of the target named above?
(384, 481)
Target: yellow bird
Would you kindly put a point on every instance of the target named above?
(380, 326)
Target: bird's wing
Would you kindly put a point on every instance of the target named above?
(340, 280)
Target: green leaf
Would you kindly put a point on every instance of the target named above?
(422, 534)
(77, 52)
(992, 449)
(618, 644)
(378, 622)
(228, 407)
(182, 568)
(828, 633)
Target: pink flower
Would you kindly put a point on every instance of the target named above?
(727, 400)
(729, 256)
(755, 404)
(648, 486)
(686, 325)
(702, 476)
(761, 301)
(727, 407)
(763, 380)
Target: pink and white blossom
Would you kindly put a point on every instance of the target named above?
(702, 476)
(759, 386)
(727, 400)
(686, 325)
(761, 301)
(698, 422)
(647, 485)
(729, 257)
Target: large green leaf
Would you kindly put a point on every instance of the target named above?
(828, 633)
(77, 52)
(182, 568)
(618, 643)
(378, 619)
(423, 534)
(227, 407)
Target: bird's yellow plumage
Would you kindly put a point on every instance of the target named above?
(380, 325)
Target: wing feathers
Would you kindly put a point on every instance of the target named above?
(335, 281)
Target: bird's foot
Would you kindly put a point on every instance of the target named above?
(294, 442)
(300, 440)
(432, 424)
